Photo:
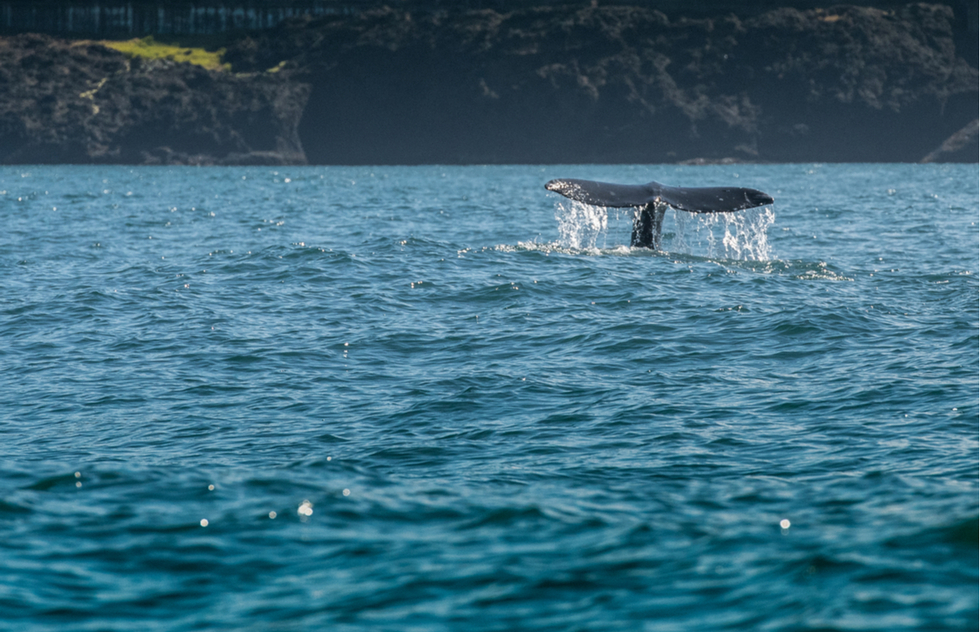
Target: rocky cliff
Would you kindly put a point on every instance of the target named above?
(79, 102)
(545, 84)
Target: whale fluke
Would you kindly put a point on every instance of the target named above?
(690, 199)
(652, 199)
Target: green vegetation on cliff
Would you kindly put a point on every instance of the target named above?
(149, 48)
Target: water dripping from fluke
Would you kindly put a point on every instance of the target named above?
(741, 236)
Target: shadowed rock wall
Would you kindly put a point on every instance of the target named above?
(544, 84)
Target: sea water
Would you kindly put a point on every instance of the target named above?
(443, 398)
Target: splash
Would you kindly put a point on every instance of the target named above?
(581, 225)
(741, 236)
(735, 236)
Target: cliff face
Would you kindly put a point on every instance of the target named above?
(624, 84)
(63, 102)
(605, 84)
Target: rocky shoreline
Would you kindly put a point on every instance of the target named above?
(80, 102)
(543, 85)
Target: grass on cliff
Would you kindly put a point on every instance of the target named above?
(149, 48)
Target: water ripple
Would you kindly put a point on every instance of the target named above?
(361, 398)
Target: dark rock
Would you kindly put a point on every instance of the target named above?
(64, 102)
(536, 85)
(625, 84)
(960, 147)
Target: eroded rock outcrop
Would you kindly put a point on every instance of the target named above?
(79, 102)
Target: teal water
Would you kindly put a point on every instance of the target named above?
(442, 398)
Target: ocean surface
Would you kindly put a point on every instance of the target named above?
(443, 398)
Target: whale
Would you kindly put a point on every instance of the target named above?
(651, 201)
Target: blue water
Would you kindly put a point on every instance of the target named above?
(442, 398)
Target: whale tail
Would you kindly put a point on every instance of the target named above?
(690, 199)
(652, 199)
